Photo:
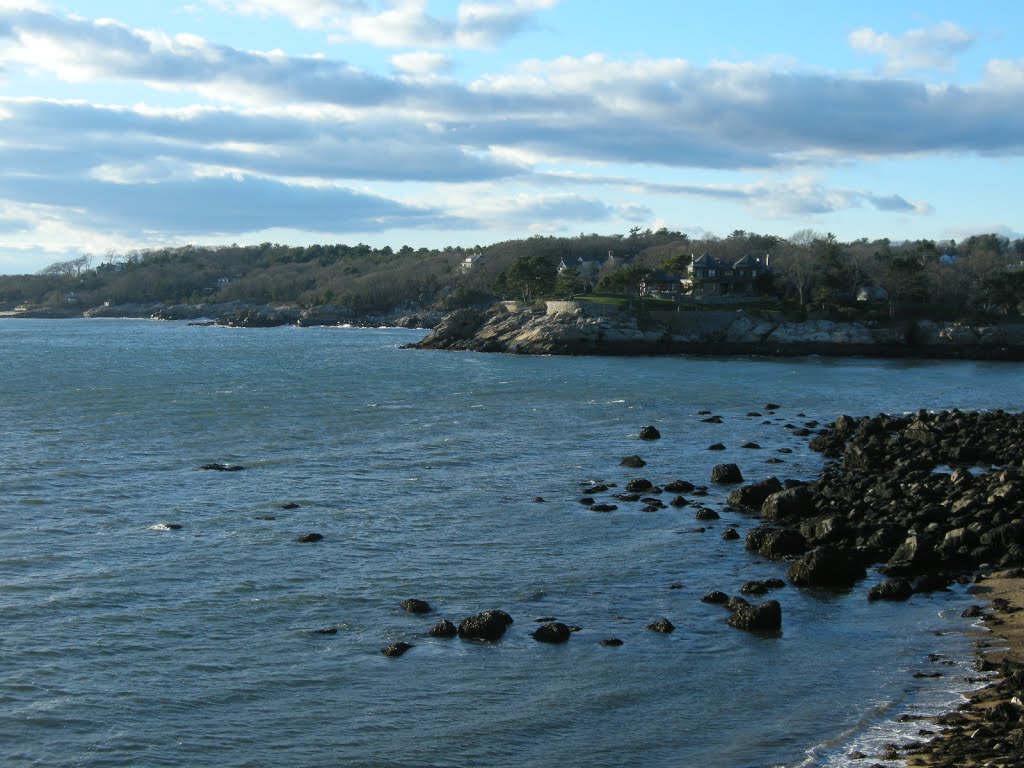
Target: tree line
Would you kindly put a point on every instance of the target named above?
(809, 269)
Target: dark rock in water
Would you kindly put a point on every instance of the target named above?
(893, 589)
(755, 414)
(586, 500)
(754, 588)
(599, 488)
(679, 486)
(223, 467)
(611, 642)
(602, 507)
(555, 632)
(538, 500)
(726, 474)
(309, 538)
(712, 420)
(775, 542)
(753, 446)
(650, 433)
(716, 447)
(784, 450)
(703, 413)
(545, 619)
(661, 625)
(735, 603)
(327, 631)
(395, 650)
(289, 505)
(444, 628)
(773, 460)
(633, 461)
(173, 526)
(772, 407)
(265, 517)
(639, 485)
(487, 625)
(788, 505)
(629, 497)
(707, 514)
(730, 534)
(679, 501)
(675, 585)
(765, 617)
(753, 496)
(716, 598)
(573, 628)
(413, 605)
(774, 583)
(826, 567)
(972, 612)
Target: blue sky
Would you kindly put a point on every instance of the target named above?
(461, 122)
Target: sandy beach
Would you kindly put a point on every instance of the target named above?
(989, 729)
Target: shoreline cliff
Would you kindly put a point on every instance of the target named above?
(569, 328)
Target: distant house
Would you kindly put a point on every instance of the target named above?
(710, 276)
(587, 268)
(659, 282)
(467, 264)
(872, 293)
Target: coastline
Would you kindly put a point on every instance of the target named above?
(988, 729)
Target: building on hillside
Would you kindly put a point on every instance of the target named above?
(659, 283)
(710, 276)
(467, 264)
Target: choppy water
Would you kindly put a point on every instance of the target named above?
(126, 643)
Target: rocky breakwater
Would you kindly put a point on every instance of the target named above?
(584, 328)
(925, 499)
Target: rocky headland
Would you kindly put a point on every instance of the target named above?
(584, 328)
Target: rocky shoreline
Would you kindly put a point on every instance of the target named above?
(243, 315)
(575, 328)
(927, 499)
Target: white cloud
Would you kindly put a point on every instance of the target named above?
(919, 49)
(401, 23)
(421, 63)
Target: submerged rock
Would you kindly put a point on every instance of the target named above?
(650, 433)
(223, 467)
(633, 461)
(487, 625)
(765, 617)
(726, 474)
(310, 538)
(444, 628)
(413, 605)
(555, 632)
(395, 650)
(661, 625)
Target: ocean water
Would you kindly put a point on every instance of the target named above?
(127, 642)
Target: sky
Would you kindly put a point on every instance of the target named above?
(128, 124)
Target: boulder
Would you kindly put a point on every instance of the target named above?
(650, 433)
(602, 507)
(555, 632)
(753, 496)
(633, 461)
(487, 625)
(766, 617)
(914, 555)
(309, 538)
(611, 642)
(395, 650)
(222, 467)
(893, 589)
(707, 514)
(444, 628)
(661, 625)
(827, 567)
(716, 598)
(413, 605)
(679, 486)
(730, 534)
(775, 543)
(788, 505)
(726, 474)
(639, 485)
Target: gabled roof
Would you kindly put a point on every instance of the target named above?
(705, 260)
